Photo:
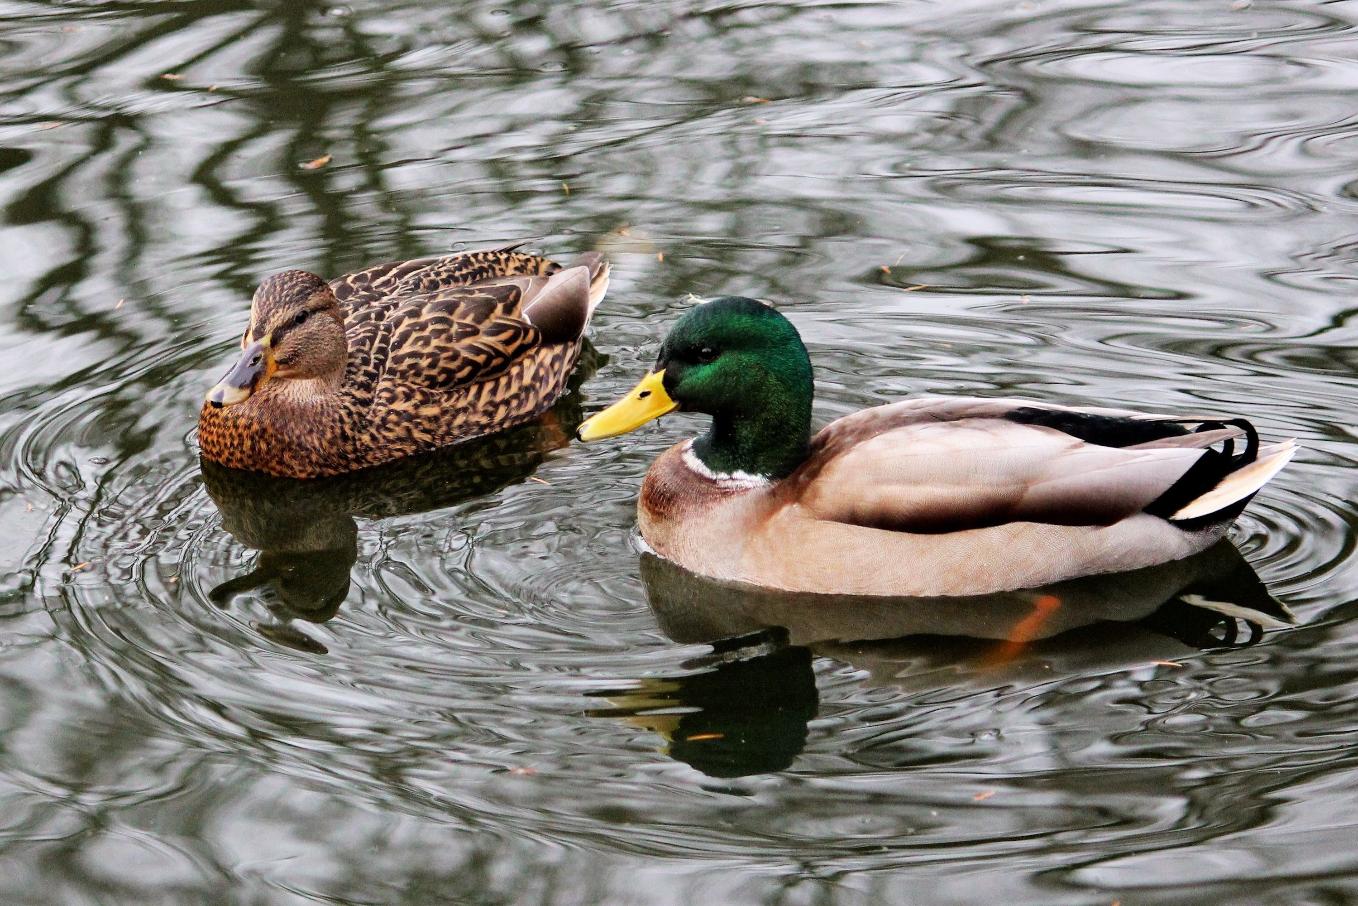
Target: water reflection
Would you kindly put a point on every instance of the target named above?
(306, 533)
(1150, 205)
(744, 709)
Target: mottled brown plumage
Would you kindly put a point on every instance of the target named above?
(397, 359)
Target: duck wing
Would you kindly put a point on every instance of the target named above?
(388, 284)
(458, 335)
(952, 464)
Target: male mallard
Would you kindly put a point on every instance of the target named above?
(931, 496)
(396, 359)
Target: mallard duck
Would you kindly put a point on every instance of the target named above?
(925, 497)
(396, 359)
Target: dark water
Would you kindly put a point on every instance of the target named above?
(447, 682)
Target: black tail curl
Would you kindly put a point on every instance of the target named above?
(1207, 473)
(1251, 451)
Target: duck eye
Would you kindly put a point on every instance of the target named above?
(707, 355)
(301, 317)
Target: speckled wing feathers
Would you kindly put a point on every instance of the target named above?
(453, 337)
(451, 347)
(440, 350)
(387, 284)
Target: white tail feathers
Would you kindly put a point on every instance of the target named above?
(1241, 483)
(598, 285)
(1230, 609)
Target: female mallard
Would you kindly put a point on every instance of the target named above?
(397, 359)
(931, 496)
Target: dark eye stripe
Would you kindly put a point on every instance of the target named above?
(290, 323)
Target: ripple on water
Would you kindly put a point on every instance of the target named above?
(210, 678)
(1114, 196)
(1181, 125)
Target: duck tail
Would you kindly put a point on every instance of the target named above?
(561, 309)
(1228, 496)
(599, 268)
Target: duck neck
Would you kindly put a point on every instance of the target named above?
(769, 440)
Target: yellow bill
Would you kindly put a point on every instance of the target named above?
(647, 401)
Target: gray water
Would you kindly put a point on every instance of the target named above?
(448, 681)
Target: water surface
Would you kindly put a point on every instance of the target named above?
(454, 680)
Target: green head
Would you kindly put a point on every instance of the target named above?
(744, 364)
(733, 358)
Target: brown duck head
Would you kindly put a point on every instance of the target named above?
(296, 335)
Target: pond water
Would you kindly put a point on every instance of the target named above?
(455, 680)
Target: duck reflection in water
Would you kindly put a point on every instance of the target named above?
(306, 533)
(744, 708)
